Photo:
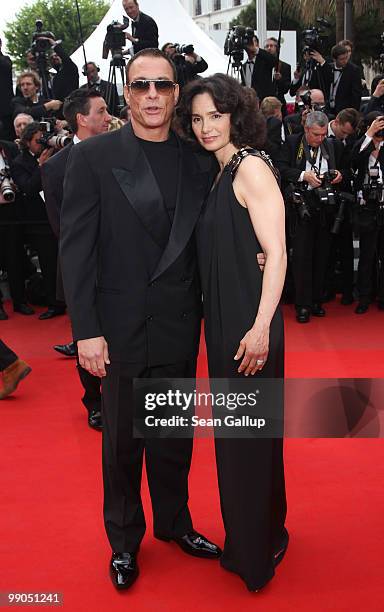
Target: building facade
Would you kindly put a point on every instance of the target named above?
(214, 16)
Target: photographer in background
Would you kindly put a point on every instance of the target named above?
(30, 101)
(66, 78)
(145, 34)
(340, 79)
(6, 95)
(25, 171)
(107, 90)
(257, 69)
(309, 169)
(281, 75)
(368, 164)
(312, 100)
(376, 103)
(188, 63)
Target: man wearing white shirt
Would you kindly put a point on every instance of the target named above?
(368, 163)
(87, 115)
(304, 159)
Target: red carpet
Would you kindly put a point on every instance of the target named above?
(51, 531)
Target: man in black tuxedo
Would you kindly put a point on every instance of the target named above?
(131, 202)
(257, 70)
(340, 80)
(86, 113)
(107, 90)
(144, 29)
(281, 75)
(303, 160)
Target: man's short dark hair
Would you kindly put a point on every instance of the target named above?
(152, 53)
(78, 101)
(338, 50)
(349, 115)
(28, 133)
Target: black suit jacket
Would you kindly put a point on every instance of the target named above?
(349, 90)
(66, 79)
(25, 105)
(109, 92)
(6, 85)
(291, 165)
(262, 74)
(25, 172)
(282, 85)
(360, 161)
(52, 175)
(128, 274)
(146, 31)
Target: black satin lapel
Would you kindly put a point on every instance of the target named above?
(194, 186)
(142, 191)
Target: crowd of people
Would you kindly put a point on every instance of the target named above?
(133, 277)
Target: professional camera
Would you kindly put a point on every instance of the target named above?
(314, 38)
(343, 198)
(326, 192)
(7, 191)
(40, 44)
(182, 49)
(373, 191)
(306, 103)
(237, 40)
(296, 195)
(50, 138)
(114, 40)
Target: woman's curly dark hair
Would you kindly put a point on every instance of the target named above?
(248, 126)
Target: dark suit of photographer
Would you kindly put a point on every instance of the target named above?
(66, 78)
(368, 157)
(281, 76)
(145, 33)
(26, 173)
(107, 90)
(376, 103)
(256, 71)
(31, 102)
(6, 95)
(302, 159)
(188, 65)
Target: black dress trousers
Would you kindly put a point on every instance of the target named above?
(167, 462)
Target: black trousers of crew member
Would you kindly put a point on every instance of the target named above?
(7, 356)
(371, 250)
(311, 244)
(42, 239)
(91, 385)
(341, 250)
(167, 462)
(12, 247)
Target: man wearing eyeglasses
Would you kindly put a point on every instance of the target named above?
(131, 201)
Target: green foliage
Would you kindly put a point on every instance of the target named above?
(59, 17)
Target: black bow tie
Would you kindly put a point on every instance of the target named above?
(337, 70)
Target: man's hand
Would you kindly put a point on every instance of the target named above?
(52, 105)
(297, 73)
(379, 91)
(191, 58)
(317, 56)
(45, 155)
(376, 125)
(312, 179)
(130, 37)
(93, 355)
(277, 76)
(338, 178)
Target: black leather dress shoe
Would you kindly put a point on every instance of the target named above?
(3, 314)
(282, 549)
(94, 420)
(123, 570)
(361, 308)
(346, 299)
(303, 315)
(50, 313)
(69, 350)
(23, 309)
(196, 545)
(317, 310)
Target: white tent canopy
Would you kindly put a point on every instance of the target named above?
(175, 25)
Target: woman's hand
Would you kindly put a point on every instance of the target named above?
(254, 350)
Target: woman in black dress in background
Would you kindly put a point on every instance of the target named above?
(243, 216)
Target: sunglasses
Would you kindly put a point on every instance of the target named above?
(162, 86)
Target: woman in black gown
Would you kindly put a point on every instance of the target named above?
(243, 216)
